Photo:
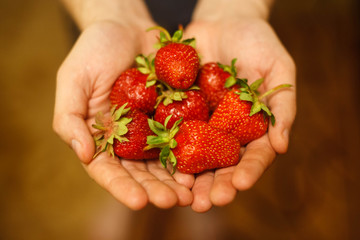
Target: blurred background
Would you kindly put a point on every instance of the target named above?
(312, 192)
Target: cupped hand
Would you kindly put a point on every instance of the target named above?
(84, 81)
(259, 54)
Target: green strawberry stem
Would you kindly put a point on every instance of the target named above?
(164, 139)
(166, 38)
(161, 29)
(274, 90)
(251, 94)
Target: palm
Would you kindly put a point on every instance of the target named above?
(259, 54)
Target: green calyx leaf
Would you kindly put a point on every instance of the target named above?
(117, 114)
(272, 119)
(172, 159)
(165, 37)
(266, 109)
(177, 36)
(173, 143)
(143, 63)
(167, 119)
(191, 42)
(241, 82)
(177, 96)
(157, 128)
(164, 139)
(230, 69)
(121, 139)
(167, 101)
(121, 126)
(150, 83)
(144, 70)
(255, 108)
(251, 94)
(110, 127)
(141, 60)
(157, 140)
(175, 128)
(164, 155)
(255, 85)
(193, 87)
(98, 121)
(230, 81)
(146, 66)
(161, 131)
(169, 95)
(245, 96)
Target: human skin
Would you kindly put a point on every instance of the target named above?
(242, 31)
(112, 34)
(106, 47)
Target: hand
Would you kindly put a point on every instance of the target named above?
(259, 54)
(84, 80)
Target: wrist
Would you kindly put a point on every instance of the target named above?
(129, 13)
(215, 10)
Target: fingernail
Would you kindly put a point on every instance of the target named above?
(75, 145)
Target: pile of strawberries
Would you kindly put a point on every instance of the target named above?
(195, 117)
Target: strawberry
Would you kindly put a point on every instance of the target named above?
(212, 78)
(176, 62)
(123, 133)
(242, 113)
(191, 106)
(133, 87)
(194, 146)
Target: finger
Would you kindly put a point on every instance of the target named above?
(70, 111)
(183, 193)
(112, 176)
(200, 31)
(84, 80)
(184, 179)
(258, 156)
(223, 191)
(149, 40)
(201, 191)
(282, 103)
(159, 193)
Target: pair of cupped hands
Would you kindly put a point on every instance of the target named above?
(105, 49)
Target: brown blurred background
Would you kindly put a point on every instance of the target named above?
(312, 192)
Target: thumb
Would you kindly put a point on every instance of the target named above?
(73, 130)
(283, 106)
(69, 116)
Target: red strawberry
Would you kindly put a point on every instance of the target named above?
(176, 62)
(192, 106)
(233, 115)
(242, 113)
(177, 65)
(124, 133)
(211, 80)
(131, 87)
(194, 146)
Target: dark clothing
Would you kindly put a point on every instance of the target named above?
(169, 14)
